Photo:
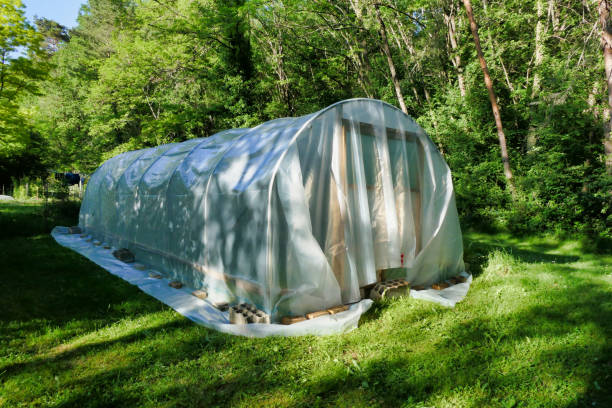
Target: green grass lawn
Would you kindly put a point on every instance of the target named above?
(534, 330)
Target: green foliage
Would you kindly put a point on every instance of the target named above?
(25, 188)
(139, 74)
(18, 75)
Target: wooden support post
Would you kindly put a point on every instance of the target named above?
(418, 197)
(336, 240)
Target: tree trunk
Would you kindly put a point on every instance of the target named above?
(407, 42)
(284, 88)
(539, 47)
(3, 67)
(489, 84)
(606, 45)
(538, 57)
(387, 52)
(406, 61)
(592, 101)
(362, 66)
(417, 98)
(359, 55)
(493, 44)
(450, 21)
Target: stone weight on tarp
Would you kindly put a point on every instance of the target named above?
(200, 294)
(124, 255)
(175, 284)
(74, 230)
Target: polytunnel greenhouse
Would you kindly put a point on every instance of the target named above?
(293, 216)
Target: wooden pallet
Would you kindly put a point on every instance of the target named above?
(314, 315)
(292, 319)
(440, 285)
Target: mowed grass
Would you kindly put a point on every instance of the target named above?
(533, 331)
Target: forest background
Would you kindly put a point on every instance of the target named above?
(530, 149)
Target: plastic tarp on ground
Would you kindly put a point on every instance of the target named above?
(293, 216)
(204, 313)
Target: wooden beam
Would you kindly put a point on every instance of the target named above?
(367, 129)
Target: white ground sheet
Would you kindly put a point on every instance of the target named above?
(204, 313)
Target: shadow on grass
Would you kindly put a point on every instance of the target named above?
(28, 219)
(125, 384)
(137, 354)
(42, 280)
(46, 286)
(482, 353)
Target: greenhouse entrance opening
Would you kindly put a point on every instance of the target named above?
(378, 148)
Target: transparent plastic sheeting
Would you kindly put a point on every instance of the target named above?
(293, 216)
(205, 314)
(201, 311)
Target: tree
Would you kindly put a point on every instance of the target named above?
(606, 45)
(134, 74)
(384, 44)
(19, 75)
(54, 34)
(538, 55)
(493, 99)
(450, 19)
